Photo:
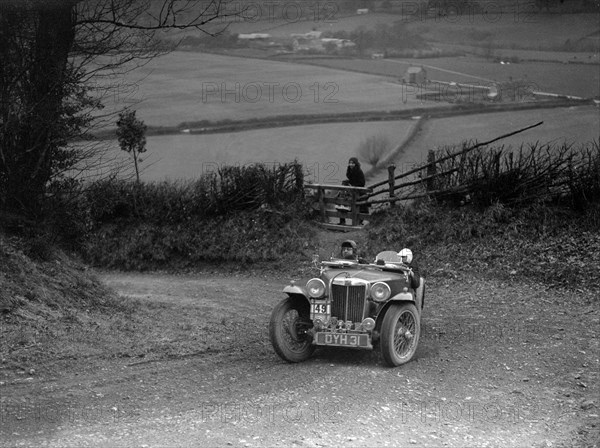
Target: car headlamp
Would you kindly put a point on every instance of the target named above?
(368, 324)
(316, 288)
(380, 292)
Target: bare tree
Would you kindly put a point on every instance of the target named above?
(52, 51)
(131, 133)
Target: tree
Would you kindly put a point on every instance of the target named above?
(51, 53)
(131, 134)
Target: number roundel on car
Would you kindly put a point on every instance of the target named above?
(316, 288)
(380, 292)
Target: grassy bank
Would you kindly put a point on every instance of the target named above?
(552, 245)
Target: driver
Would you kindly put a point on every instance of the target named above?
(350, 251)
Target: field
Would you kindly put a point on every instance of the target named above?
(187, 89)
(581, 80)
(503, 25)
(322, 149)
(572, 125)
(509, 28)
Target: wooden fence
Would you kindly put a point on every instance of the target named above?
(354, 203)
(340, 202)
(426, 174)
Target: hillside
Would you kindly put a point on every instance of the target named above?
(52, 308)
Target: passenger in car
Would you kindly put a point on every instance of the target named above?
(406, 256)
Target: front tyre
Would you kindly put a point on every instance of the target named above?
(400, 333)
(290, 321)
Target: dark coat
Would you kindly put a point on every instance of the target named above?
(356, 177)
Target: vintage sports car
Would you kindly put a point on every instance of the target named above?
(352, 304)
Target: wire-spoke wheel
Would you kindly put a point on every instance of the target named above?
(290, 321)
(400, 333)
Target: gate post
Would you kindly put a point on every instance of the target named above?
(322, 204)
(354, 208)
(431, 169)
(391, 169)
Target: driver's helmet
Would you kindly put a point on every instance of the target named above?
(406, 255)
(349, 250)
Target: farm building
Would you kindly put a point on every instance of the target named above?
(314, 34)
(415, 75)
(304, 44)
(339, 43)
(254, 36)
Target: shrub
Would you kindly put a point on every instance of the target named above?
(373, 149)
(548, 243)
(229, 190)
(240, 214)
(565, 174)
(244, 238)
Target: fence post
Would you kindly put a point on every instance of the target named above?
(431, 169)
(391, 181)
(354, 208)
(322, 203)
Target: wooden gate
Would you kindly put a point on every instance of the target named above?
(340, 203)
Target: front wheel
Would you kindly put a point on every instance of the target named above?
(290, 321)
(400, 333)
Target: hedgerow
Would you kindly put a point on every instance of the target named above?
(563, 174)
(548, 243)
(238, 214)
(243, 238)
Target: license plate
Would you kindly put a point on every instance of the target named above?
(343, 339)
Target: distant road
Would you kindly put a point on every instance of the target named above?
(433, 67)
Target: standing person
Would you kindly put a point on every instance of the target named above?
(355, 178)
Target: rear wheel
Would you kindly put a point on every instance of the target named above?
(400, 333)
(290, 321)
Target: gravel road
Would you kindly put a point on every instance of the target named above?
(498, 365)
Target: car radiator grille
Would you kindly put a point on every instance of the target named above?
(348, 302)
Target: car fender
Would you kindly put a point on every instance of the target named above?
(420, 294)
(403, 297)
(297, 292)
(406, 297)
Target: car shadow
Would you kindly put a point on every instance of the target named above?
(353, 357)
(347, 356)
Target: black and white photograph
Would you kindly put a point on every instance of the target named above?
(298, 223)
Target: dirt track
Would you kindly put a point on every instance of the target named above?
(497, 365)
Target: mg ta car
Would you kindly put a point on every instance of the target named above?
(352, 304)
